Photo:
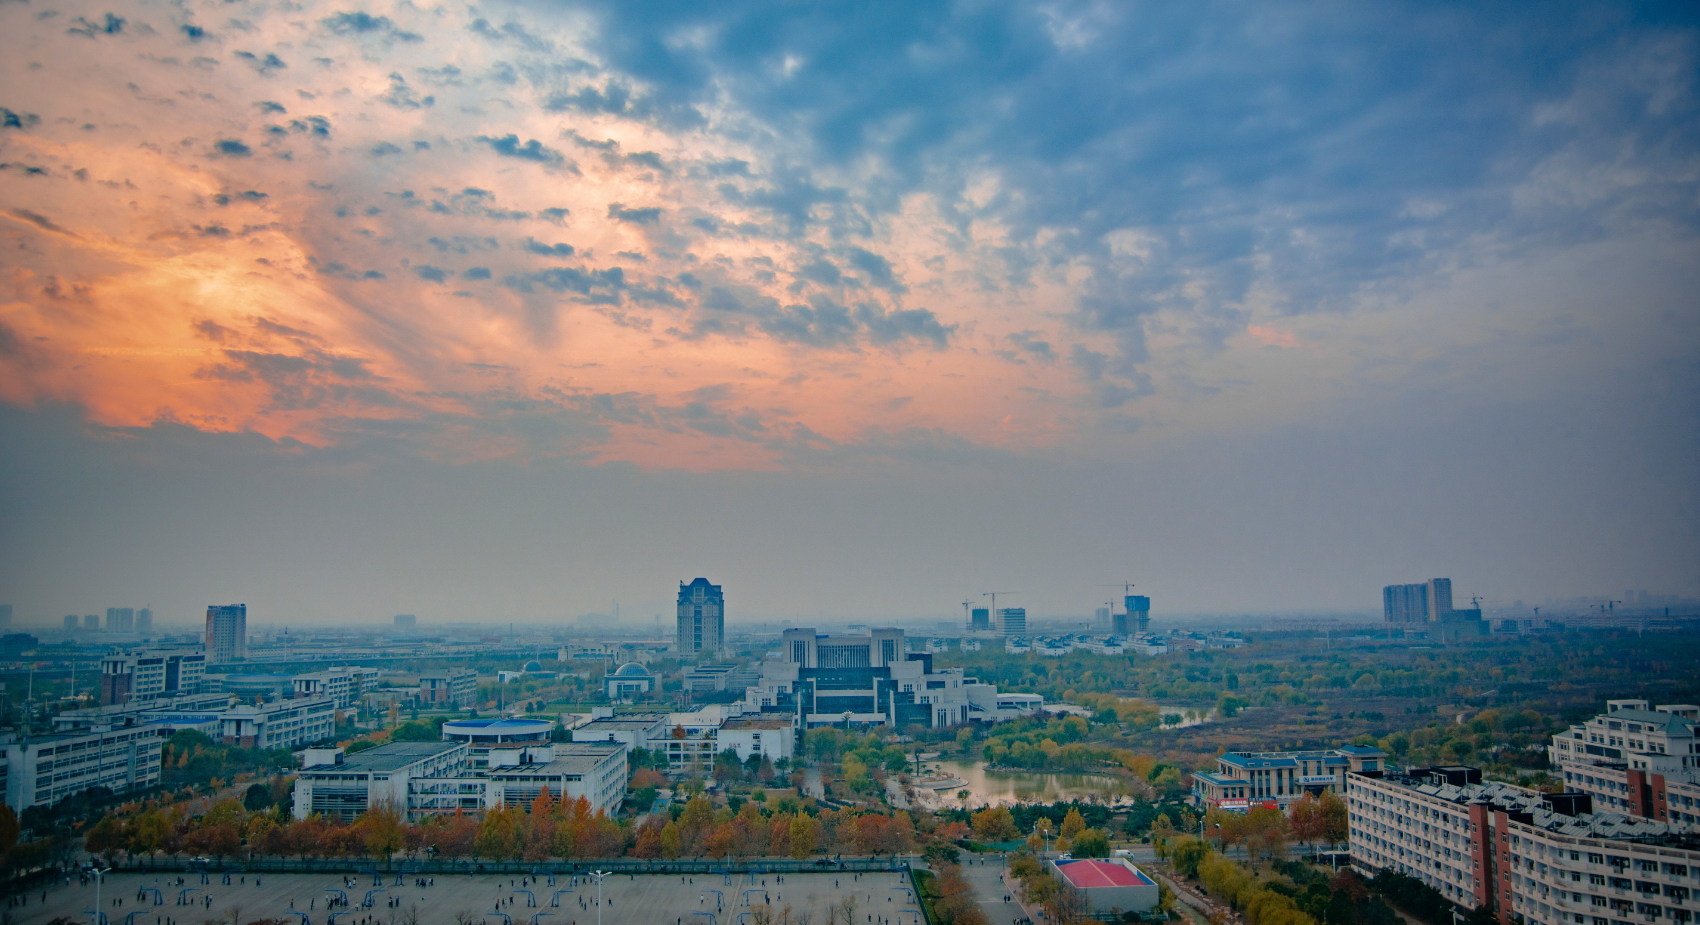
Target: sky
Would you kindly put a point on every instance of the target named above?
(500, 311)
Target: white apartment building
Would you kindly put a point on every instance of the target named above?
(1538, 859)
(1637, 760)
(593, 770)
(42, 770)
(280, 724)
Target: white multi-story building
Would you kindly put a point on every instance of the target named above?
(429, 778)
(227, 632)
(280, 724)
(773, 736)
(151, 674)
(1244, 780)
(1538, 859)
(454, 688)
(1635, 759)
(633, 730)
(42, 770)
(872, 679)
(344, 684)
(137, 712)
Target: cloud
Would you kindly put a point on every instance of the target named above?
(230, 147)
(548, 250)
(618, 212)
(362, 23)
(532, 150)
(430, 273)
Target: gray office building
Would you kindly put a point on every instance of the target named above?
(120, 619)
(227, 632)
(702, 617)
(1429, 602)
(1138, 614)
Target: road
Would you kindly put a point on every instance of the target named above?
(984, 873)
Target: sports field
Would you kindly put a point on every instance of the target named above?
(643, 899)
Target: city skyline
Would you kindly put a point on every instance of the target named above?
(514, 309)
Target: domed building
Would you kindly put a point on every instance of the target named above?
(628, 681)
(532, 667)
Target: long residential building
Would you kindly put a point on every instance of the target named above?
(42, 770)
(1636, 759)
(1534, 858)
(344, 684)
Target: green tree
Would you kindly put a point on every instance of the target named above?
(1090, 843)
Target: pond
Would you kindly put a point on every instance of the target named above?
(998, 788)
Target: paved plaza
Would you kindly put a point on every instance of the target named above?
(882, 898)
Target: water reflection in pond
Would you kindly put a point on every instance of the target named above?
(998, 788)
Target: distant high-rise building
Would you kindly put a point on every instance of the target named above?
(144, 620)
(1101, 620)
(1138, 612)
(227, 632)
(702, 617)
(120, 619)
(406, 621)
(71, 622)
(5, 617)
(1405, 604)
(980, 618)
(1429, 602)
(1439, 598)
(1012, 621)
(91, 621)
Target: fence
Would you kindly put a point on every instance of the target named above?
(277, 865)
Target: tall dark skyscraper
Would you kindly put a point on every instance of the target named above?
(227, 632)
(702, 617)
(980, 619)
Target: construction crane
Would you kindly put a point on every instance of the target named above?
(968, 612)
(994, 596)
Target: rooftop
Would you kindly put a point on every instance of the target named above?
(1671, 722)
(758, 722)
(464, 726)
(387, 758)
(627, 721)
(1088, 874)
(1512, 798)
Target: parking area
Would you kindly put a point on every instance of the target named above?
(882, 898)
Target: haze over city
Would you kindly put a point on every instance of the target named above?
(510, 311)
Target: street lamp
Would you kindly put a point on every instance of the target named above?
(598, 874)
(99, 878)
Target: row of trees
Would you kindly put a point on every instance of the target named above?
(547, 828)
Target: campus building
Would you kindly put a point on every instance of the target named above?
(151, 674)
(1245, 780)
(42, 770)
(628, 682)
(430, 778)
(454, 688)
(482, 735)
(872, 679)
(633, 730)
(341, 684)
(279, 724)
(1637, 760)
(1535, 858)
(1110, 887)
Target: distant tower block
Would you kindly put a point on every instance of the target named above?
(227, 632)
(406, 621)
(1138, 612)
(5, 616)
(91, 621)
(701, 616)
(980, 619)
(120, 619)
(71, 622)
(144, 620)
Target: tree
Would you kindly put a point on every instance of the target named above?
(381, 830)
(1305, 815)
(1336, 820)
(1091, 843)
(994, 825)
(1073, 823)
(9, 828)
